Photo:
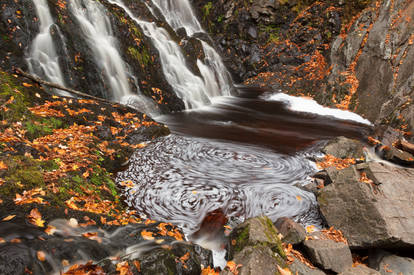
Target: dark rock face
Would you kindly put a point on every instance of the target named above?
(370, 204)
(329, 255)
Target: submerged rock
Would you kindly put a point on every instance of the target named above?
(370, 204)
(387, 263)
(360, 270)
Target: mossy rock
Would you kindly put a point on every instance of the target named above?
(254, 232)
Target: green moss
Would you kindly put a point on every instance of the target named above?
(23, 173)
(272, 30)
(42, 127)
(242, 239)
(11, 91)
(207, 8)
(272, 235)
(142, 56)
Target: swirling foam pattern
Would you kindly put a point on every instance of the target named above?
(180, 179)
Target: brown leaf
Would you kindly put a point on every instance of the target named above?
(3, 166)
(123, 268)
(284, 271)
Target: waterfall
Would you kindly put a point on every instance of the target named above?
(43, 60)
(179, 14)
(194, 91)
(96, 27)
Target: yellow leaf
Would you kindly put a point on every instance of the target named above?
(299, 198)
(27, 85)
(36, 218)
(50, 230)
(310, 228)
(8, 218)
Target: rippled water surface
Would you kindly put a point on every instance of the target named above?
(243, 155)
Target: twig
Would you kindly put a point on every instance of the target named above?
(57, 86)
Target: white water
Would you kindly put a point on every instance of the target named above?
(192, 89)
(96, 27)
(305, 105)
(43, 60)
(179, 14)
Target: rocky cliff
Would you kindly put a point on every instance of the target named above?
(352, 55)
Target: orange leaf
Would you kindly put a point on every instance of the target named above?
(232, 266)
(50, 230)
(27, 85)
(41, 256)
(123, 268)
(36, 218)
(8, 218)
(209, 271)
(137, 265)
(284, 271)
(3, 166)
(147, 235)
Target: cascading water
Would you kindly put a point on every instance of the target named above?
(194, 91)
(96, 27)
(179, 14)
(43, 60)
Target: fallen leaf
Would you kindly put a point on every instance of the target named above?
(123, 268)
(299, 198)
(36, 218)
(209, 271)
(65, 263)
(8, 218)
(27, 85)
(137, 265)
(41, 256)
(146, 235)
(2, 240)
(232, 266)
(50, 230)
(284, 271)
(3, 166)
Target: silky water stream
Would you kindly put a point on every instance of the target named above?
(243, 156)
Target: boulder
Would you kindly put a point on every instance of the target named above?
(299, 268)
(342, 147)
(291, 231)
(389, 264)
(371, 204)
(256, 260)
(253, 232)
(359, 270)
(329, 255)
(255, 245)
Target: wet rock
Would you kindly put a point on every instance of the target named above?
(329, 255)
(395, 155)
(299, 268)
(370, 204)
(292, 232)
(342, 147)
(387, 263)
(359, 270)
(255, 231)
(257, 260)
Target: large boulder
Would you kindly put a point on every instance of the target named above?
(291, 231)
(299, 268)
(359, 270)
(389, 264)
(256, 246)
(329, 255)
(371, 204)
